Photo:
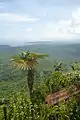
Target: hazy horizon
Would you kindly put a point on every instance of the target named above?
(38, 42)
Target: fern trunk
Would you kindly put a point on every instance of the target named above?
(30, 86)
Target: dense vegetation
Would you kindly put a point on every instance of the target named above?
(14, 92)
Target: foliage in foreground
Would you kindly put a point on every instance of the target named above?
(19, 106)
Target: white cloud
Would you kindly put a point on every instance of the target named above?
(63, 29)
(54, 30)
(76, 22)
(57, 30)
(12, 17)
(28, 29)
(76, 16)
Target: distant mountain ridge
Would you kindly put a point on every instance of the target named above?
(55, 51)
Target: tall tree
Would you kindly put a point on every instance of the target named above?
(27, 61)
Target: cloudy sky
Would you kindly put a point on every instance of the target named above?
(35, 20)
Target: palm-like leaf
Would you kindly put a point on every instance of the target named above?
(26, 60)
